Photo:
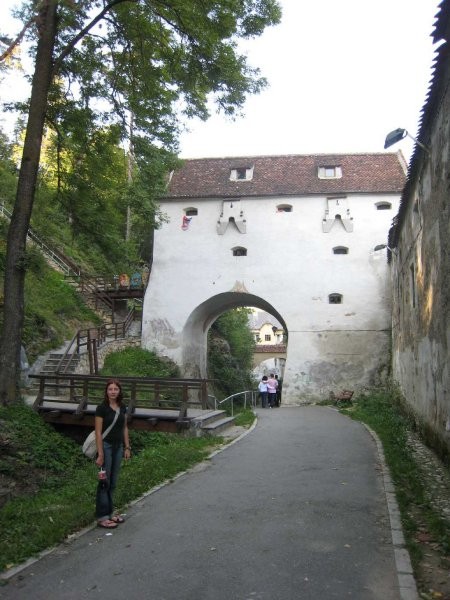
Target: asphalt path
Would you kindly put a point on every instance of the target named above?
(295, 509)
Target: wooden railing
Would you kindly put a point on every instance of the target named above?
(72, 399)
(92, 339)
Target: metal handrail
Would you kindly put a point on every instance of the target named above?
(52, 254)
(253, 396)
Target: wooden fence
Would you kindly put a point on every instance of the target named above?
(152, 403)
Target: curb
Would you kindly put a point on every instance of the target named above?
(406, 581)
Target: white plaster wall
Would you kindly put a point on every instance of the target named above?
(289, 270)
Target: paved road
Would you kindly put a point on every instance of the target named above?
(294, 510)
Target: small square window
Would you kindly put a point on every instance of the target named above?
(383, 205)
(330, 172)
(241, 174)
(267, 337)
(191, 212)
(335, 298)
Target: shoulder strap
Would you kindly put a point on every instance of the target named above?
(116, 416)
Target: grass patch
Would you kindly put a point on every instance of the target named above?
(59, 483)
(245, 417)
(137, 362)
(384, 412)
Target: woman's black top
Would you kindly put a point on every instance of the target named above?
(115, 436)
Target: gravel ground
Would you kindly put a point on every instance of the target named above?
(434, 570)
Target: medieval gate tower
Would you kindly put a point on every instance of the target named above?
(302, 237)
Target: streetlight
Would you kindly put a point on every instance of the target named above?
(399, 134)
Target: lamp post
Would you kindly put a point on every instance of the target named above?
(399, 134)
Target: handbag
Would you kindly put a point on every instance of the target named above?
(90, 444)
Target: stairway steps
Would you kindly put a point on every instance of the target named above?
(213, 422)
(218, 426)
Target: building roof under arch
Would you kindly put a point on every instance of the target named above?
(288, 175)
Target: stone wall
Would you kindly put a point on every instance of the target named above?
(421, 269)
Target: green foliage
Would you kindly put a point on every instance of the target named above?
(137, 362)
(8, 174)
(63, 481)
(35, 445)
(53, 309)
(230, 352)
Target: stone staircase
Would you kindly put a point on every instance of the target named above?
(53, 361)
(48, 367)
(212, 423)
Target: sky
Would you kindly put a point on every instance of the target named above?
(342, 74)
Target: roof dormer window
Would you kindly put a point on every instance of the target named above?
(329, 172)
(241, 174)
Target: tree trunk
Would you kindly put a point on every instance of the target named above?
(17, 234)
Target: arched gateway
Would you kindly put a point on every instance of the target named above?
(263, 232)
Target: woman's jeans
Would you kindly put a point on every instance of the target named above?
(104, 502)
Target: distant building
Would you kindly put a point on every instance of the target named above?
(265, 328)
(301, 237)
(270, 349)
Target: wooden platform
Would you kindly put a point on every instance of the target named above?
(153, 404)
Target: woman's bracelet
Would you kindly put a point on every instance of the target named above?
(127, 448)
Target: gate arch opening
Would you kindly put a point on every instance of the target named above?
(195, 331)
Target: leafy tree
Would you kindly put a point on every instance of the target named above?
(230, 352)
(146, 58)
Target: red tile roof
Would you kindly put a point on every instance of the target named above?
(270, 348)
(289, 175)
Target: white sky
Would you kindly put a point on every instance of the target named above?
(342, 74)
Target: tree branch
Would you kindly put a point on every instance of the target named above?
(71, 45)
(17, 41)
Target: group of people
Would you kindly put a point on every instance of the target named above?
(270, 391)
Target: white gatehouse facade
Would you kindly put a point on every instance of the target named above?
(302, 237)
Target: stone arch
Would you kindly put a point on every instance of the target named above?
(195, 330)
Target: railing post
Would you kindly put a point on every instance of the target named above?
(184, 402)
(85, 390)
(89, 351)
(40, 397)
(204, 394)
(95, 356)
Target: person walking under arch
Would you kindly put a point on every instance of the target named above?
(262, 387)
(280, 385)
(272, 385)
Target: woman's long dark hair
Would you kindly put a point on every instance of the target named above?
(119, 397)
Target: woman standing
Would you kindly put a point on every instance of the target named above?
(111, 449)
